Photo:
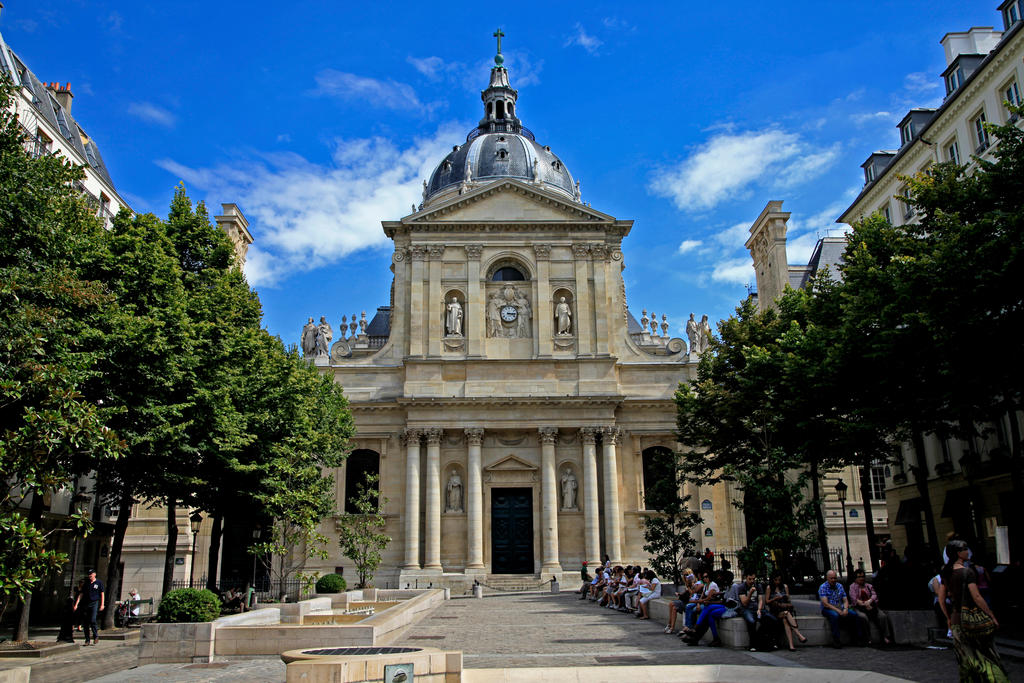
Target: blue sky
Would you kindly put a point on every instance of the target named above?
(322, 119)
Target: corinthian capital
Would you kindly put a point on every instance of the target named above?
(436, 251)
(542, 251)
(580, 250)
(411, 435)
(611, 435)
(547, 435)
(474, 435)
(434, 435)
(473, 251)
(589, 434)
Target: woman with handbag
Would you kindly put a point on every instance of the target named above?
(970, 619)
(781, 607)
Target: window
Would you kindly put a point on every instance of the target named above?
(908, 210)
(954, 80)
(1011, 94)
(42, 144)
(507, 273)
(869, 173)
(1012, 14)
(62, 121)
(876, 486)
(906, 133)
(360, 464)
(953, 153)
(980, 134)
(885, 212)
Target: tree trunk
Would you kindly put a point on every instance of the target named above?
(921, 477)
(35, 513)
(214, 554)
(124, 512)
(869, 520)
(819, 518)
(1016, 516)
(172, 545)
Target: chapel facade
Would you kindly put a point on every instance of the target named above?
(506, 396)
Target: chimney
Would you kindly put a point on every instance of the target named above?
(62, 93)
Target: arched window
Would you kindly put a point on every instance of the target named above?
(709, 532)
(361, 463)
(501, 110)
(660, 479)
(507, 273)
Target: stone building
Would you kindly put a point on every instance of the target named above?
(957, 491)
(507, 397)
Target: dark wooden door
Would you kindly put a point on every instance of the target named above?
(512, 531)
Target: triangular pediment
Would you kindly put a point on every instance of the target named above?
(510, 463)
(508, 201)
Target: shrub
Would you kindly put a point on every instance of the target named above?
(331, 583)
(188, 605)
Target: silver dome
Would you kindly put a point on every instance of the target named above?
(493, 156)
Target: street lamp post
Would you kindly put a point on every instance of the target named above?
(196, 521)
(841, 493)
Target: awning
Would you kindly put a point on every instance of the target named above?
(958, 502)
(909, 511)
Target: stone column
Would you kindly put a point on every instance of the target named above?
(591, 530)
(476, 306)
(417, 316)
(542, 305)
(548, 501)
(435, 299)
(411, 437)
(474, 501)
(584, 301)
(610, 437)
(432, 547)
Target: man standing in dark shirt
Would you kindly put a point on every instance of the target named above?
(93, 600)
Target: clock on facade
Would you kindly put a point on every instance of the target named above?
(509, 313)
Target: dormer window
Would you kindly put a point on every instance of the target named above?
(869, 173)
(502, 154)
(953, 80)
(446, 166)
(906, 133)
(1013, 13)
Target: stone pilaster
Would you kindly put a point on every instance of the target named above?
(435, 297)
(610, 437)
(584, 301)
(411, 437)
(476, 306)
(542, 305)
(602, 302)
(432, 548)
(417, 314)
(549, 501)
(591, 530)
(474, 500)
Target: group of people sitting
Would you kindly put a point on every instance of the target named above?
(767, 610)
(626, 589)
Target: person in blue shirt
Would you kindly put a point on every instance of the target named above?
(835, 607)
(91, 602)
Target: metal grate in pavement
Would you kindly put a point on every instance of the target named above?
(624, 659)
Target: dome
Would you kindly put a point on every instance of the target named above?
(494, 156)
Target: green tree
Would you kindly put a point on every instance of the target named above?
(667, 535)
(49, 430)
(360, 534)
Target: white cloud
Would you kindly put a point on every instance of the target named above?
(920, 82)
(306, 215)
(388, 94)
(432, 67)
(523, 70)
(284, 137)
(151, 113)
(585, 40)
(735, 235)
(869, 117)
(689, 245)
(730, 163)
(738, 271)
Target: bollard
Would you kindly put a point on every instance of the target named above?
(478, 591)
(447, 593)
(555, 588)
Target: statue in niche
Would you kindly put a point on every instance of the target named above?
(693, 334)
(453, 319)
(453, 491)
(563, 318)
(705, 334)
(324, 335)
(569, 486)
(308, 339)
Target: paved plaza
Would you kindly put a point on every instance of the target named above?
(539, 630)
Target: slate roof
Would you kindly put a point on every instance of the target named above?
(828, 253)
(48, 108)
(380, 326)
